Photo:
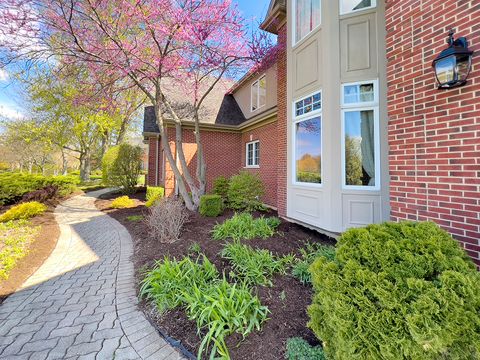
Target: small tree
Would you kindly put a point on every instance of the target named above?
(121, 166)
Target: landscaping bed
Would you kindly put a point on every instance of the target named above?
(287, 299)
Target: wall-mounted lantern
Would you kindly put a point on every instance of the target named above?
(453, 64)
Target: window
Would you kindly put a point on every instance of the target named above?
(360, 129)
(253, 154)
(348, 6)
(259, 93)
(307, 17)
(308, 139)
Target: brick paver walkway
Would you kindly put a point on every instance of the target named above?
(81, 303)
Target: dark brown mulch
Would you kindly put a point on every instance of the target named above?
(39, 250)
(287, 299)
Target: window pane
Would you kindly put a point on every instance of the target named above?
(307, 17)
(360, 148)
(308, 151)
(257, 153)
(353, 5)
(353, 94)
(255, 96)
(249, 154)
(262, 89)
(308, 104)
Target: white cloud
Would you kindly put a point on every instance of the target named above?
(3, 75)
(9, 112)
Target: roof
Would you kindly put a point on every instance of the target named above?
(276, 15)
(229, 113)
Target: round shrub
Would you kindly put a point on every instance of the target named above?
(220, 187)
(121, 166)
(122, 202)
(245, 191)
(397, 291)
(154, 193)
(23, 211)
(211, 205)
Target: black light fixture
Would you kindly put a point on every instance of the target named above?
(453, 64)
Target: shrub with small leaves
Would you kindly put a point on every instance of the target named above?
(245, 192)
(23, 211)
(211, 205)
(154, 194)
(166, 219)
(122, 202)
(299, 349)
(42, 195)
(254, 266)
(220, 187)
(301, 269)
(121, 166)
(397, 291)
(244, 226)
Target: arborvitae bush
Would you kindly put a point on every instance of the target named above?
(121, 166)
(211, 205)
(397, 291)
(300, 349)
(154, 194)
(220, 187)
(245, 191)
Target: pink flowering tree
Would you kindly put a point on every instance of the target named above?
(153, 45)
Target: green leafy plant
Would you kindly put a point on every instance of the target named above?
(15, 236)
(397, 291)
(211, 205)
(195, 249)
(299, 349)
(122, 202)
(218, 308)
(245, 191)
(154, 194)
(220, 187)
(166, 282)
(121, 166)
(254, 266)
(312, 251)
(13, 186)
(134, 218)
(23, 211)
(244, 226)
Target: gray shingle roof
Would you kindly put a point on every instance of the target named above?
(229, 113)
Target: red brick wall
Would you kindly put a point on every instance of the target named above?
(434, 135)
(152, 163)
(267, 135)
(222, 155)
(282, 123)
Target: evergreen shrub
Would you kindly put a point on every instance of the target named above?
(397, 291)
(122, 202)
(245, 191)
(23, 211)
(211, 205)
(154, 193)
(220, 187)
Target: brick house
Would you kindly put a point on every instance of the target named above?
(348, 127)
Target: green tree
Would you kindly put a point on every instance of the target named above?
(121, 166)
(353, 162)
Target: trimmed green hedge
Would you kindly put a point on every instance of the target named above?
(211, 205)
(397, 291)
(154, 193)
(14, 185)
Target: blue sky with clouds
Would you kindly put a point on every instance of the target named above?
(11, 102)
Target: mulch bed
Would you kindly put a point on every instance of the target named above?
(287, 299)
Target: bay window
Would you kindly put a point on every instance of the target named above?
(307, 135)
(360, 135)
(348, 6)
(307, 17)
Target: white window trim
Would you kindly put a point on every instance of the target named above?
(294, 24)
(362, 106)
(257, 84)
(296, 120)
(254, 166)
(374, 4)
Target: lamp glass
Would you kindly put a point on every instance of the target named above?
(445, 69)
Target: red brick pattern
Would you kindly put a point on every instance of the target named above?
(282, 123)
(267, 135)
(434, 135)
(152, 162)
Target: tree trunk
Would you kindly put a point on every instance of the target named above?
(85, 167)
(64, 163)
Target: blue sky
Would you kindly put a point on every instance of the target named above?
(11, 102)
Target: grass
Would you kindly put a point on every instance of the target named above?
(312, 251)
(218, 308)
(243, 226)
(15, 237)
(134, 218)
(254, 267)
